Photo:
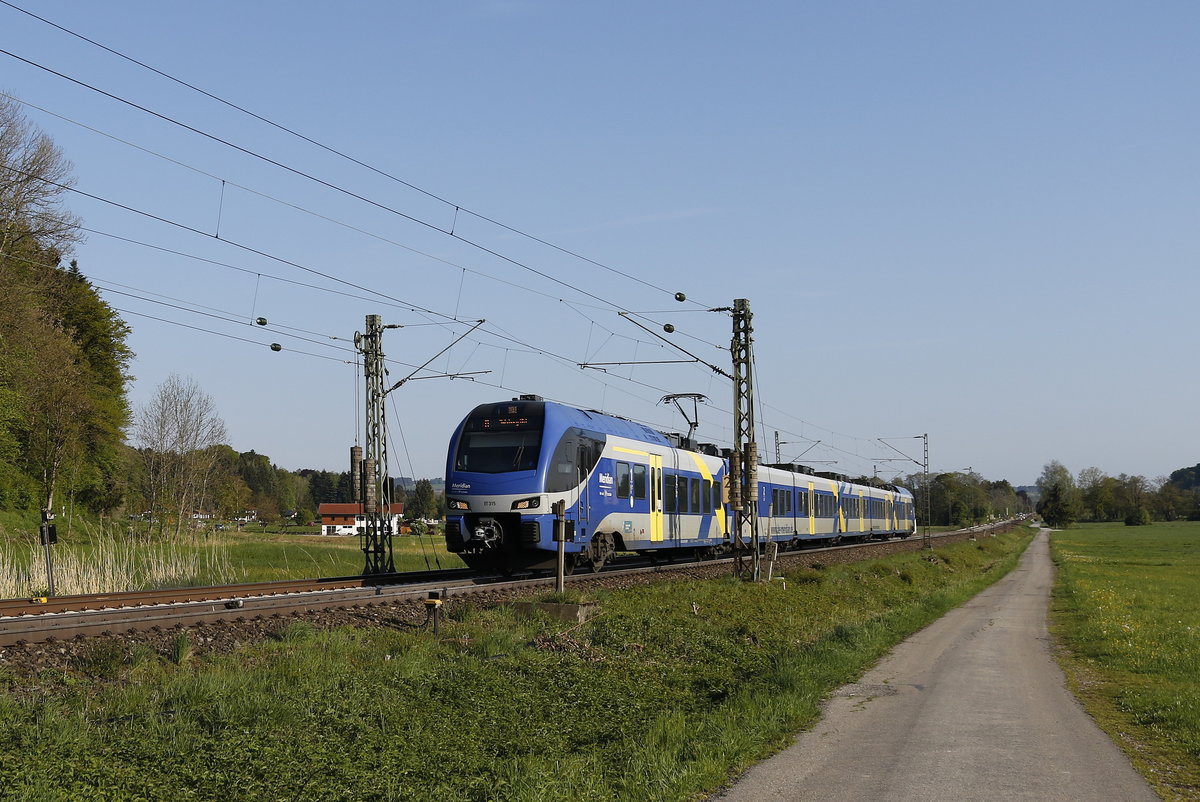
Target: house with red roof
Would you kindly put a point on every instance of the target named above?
(349, 519)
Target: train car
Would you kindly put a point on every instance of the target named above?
(624, 487)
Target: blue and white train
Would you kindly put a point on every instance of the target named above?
(627, 487)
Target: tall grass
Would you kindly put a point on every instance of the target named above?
(104, 559)
(105, 562)
(1126, 608)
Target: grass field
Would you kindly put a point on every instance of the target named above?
(663, 695)
(1127, 608)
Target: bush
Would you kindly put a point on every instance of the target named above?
(1139, 517)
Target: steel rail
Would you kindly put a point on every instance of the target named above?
(134, 598)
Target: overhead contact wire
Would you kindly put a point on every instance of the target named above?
(339, 153)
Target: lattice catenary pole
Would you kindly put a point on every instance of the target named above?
(375, 536)
(743, 462)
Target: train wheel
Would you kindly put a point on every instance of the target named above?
(601, 551)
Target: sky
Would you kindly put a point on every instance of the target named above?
(972, 221)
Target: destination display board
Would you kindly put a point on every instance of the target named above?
(513, 416)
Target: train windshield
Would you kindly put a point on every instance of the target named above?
(499, 438)
(498, 452)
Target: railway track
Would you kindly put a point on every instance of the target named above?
(63, 618)
(137, 598)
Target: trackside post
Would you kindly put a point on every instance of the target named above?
(49, 535)
(560, 540)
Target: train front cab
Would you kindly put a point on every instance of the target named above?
(505, 469)
(510, 463)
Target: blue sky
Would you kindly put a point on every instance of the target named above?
(972, 220)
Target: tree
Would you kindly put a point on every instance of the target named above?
(177, 431)
(1186, 478)
(63, 356)
(1058, 507)
(57, 407)
(1060, 500)
(231, 496)
(1002, 498)
(1055, 473)
(33, 182)
(423, 501)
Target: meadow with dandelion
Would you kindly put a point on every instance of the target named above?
(1127, 612)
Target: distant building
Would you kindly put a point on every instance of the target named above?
(348, 519)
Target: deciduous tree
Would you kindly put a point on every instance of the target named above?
(423, 501)
(177, 431)
(34, 177)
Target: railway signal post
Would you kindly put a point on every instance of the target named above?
(49, 536)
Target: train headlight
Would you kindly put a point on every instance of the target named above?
(531, 503)
(455, 504)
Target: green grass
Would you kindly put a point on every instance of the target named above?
(268, 556)
(661, 696)
(1126, 609)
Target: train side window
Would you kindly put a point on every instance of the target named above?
(622, 480)
(639, 481)
(706, 494)
(716, 497)
(695, 495)
(682, 493)
(669, 503)
(573, 460)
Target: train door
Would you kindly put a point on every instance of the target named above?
(810, 524)
(794, 507)
(671, 496)
(656, 499)
(583, 459)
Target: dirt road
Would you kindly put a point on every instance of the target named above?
(971, 708)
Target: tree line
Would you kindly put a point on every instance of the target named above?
(964, 498)
(179, 467)
(1093, 495)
